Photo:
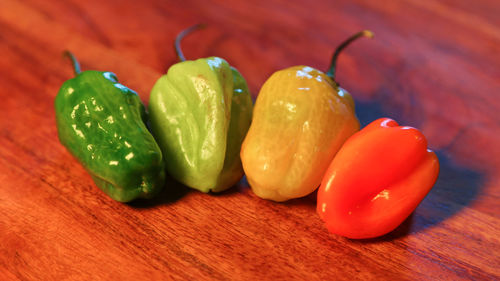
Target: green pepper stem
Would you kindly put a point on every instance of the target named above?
(180, 36)
(333, 63)
(74, 61)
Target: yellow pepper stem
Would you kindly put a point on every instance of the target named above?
(180, 36)
(333, 63)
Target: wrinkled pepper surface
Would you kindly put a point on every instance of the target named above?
(376, 180)
(301, 118)
(200, 113)
(102, 123)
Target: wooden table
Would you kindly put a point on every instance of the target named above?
(433, 64)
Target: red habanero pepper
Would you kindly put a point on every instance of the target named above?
(376, 180)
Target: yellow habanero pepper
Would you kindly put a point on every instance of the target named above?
(300, 120)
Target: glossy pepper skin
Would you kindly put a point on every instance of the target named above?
(301, 118)
(200, 113)
(376, 180)
(102, 123)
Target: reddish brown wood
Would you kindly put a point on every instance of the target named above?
(433, 64)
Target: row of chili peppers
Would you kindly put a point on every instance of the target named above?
(202, 128)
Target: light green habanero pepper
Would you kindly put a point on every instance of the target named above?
(200, 113)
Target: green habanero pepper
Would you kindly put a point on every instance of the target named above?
(200, 113)
(102, 123)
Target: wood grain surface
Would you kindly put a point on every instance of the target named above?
(433, 64)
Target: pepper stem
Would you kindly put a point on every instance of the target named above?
(74, 61)
(180, 36)
(333, 63)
